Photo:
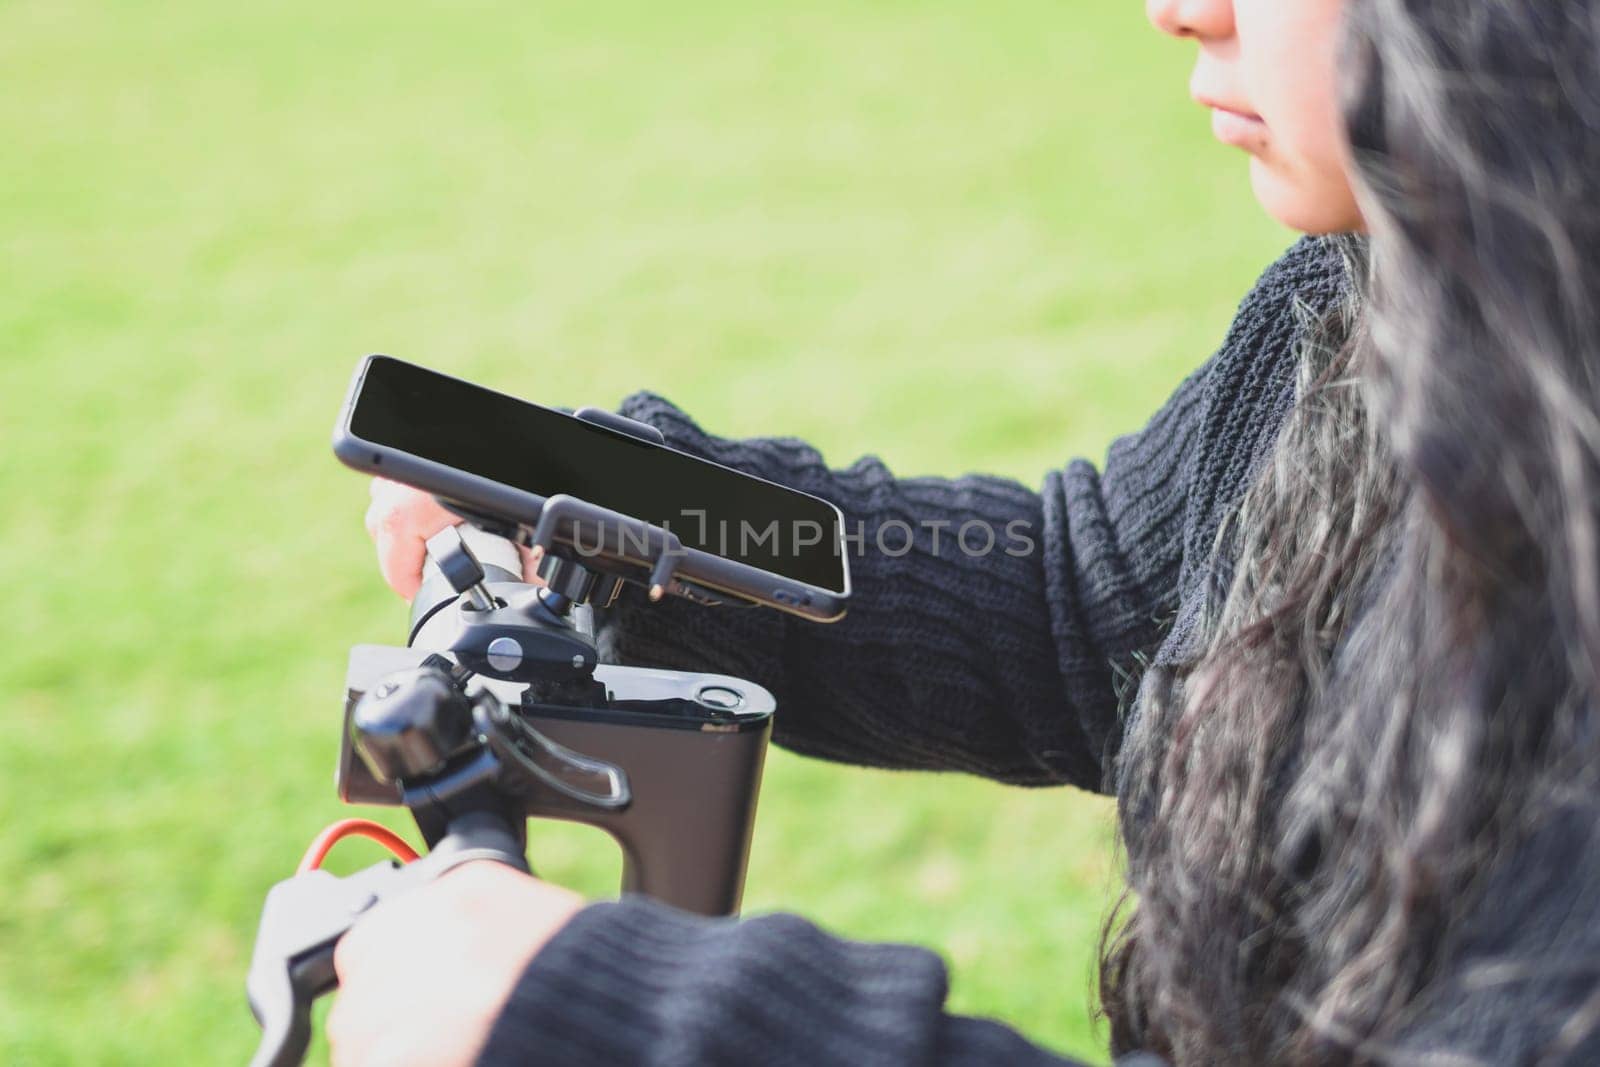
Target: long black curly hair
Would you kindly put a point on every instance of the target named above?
(1334, 776)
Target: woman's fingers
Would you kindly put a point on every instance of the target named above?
(400, 520)
(400, 558)
(530, 565)
(424, 975)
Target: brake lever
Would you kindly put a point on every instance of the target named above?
(305, 916)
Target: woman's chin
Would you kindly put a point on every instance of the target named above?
(1308, 206)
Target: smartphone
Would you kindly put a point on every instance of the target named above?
(743, 537)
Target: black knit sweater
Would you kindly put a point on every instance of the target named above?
(1016, 666)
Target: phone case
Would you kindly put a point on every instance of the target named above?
(600, 539)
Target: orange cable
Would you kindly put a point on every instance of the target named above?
(325, 841)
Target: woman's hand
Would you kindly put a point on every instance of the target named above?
(400, 520)
(422, 978)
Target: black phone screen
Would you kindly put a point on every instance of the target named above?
(547, 452)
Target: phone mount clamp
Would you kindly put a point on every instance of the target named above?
(499, 710)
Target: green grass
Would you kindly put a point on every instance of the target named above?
(961, 235)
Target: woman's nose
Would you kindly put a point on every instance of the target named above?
(1191, 18)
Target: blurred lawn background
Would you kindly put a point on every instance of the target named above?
(974, 235)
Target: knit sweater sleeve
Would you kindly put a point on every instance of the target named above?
(993, 628)
(638, 983)
(984, 619)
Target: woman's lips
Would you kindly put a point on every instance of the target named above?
(1232, 125)
(1236, 128)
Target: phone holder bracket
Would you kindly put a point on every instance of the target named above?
(577, 543)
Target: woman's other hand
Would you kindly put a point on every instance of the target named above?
(424, 975)
(400, 520)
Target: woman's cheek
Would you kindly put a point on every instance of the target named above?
(1302, 176)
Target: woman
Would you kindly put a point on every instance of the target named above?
(1353, 564)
